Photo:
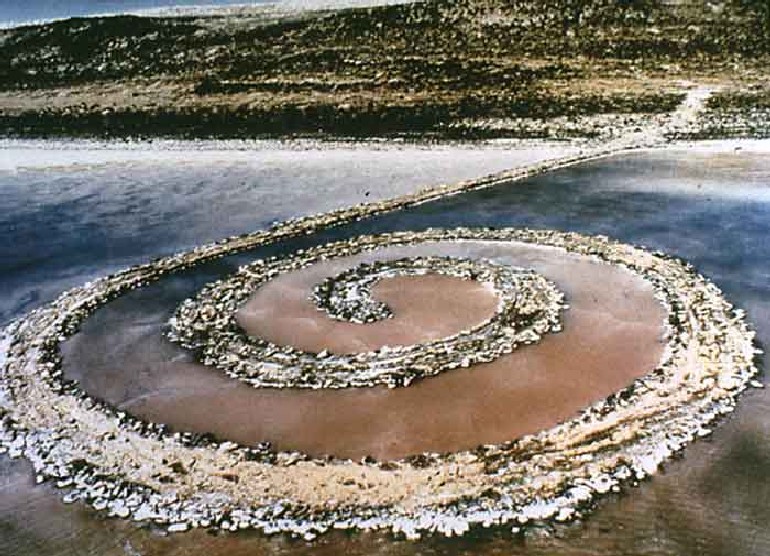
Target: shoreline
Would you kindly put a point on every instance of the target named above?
(35, 154)
(562, 505)
(639, 80)
(446, 523)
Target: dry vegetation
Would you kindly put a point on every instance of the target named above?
(467, 68)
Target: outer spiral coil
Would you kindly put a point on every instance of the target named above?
(116, 462)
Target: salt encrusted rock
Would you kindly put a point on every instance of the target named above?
(529, 306)
(112, 460)
(347, 296)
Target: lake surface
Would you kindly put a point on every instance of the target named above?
(16, 13)
(75, 211)
(710, 206)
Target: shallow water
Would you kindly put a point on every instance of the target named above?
(712, 209)
(74, 211)
(611, 335)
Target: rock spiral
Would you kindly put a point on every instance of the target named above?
(140, 470)
(528, 307)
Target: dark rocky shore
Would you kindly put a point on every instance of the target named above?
(458, 69)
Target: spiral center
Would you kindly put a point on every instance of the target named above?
(425, 308)
(529, 306)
